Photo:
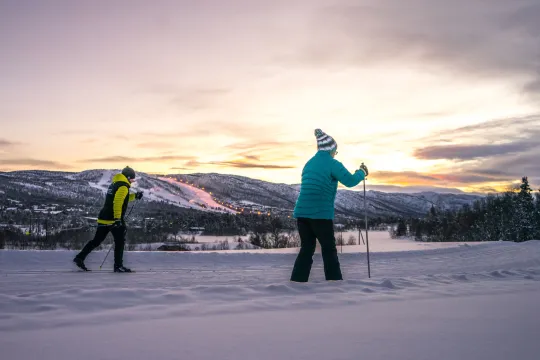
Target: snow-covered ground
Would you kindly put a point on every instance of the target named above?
(463, 302)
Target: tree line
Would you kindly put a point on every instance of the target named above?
(511, 216)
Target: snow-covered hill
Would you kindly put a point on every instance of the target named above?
(211, 192)
(87, 186)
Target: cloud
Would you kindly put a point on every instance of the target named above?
(218, 127)
(469, 152)
(403, 177)
(76, 132)
(250, 145)
(494, 129)
(190, 99)
(413, 189)
(486, 189)
(492, 172)
(7, 143)
(466, 178)
(239, 164)
(155, 145)
(199, 99)
(126, 159)
(497, 151)
(515, 164)
(533, 86)
(32, 162)
(110, 159)
(496, 38)
(462, 178)
(251, 165)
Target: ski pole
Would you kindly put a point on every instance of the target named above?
(361, 236)
(367, 238)
(103, 262)
(112, 244)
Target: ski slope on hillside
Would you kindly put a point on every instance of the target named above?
(179, 194)
(468, 302)
(104, 182)
(196, 195)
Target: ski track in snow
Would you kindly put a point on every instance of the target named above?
(42, 289)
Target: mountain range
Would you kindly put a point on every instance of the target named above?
(210, 192)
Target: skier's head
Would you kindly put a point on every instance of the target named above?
(325, 142)
(129, 173)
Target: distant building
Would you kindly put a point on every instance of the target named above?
(194, 230)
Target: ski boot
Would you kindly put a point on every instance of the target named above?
(121, 269)
(80, 263)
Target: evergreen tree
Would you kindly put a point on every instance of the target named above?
(524, 216)
(401, 229)
(537, 216)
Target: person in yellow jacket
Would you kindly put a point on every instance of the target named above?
(111, 219)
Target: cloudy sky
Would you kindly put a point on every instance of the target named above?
(425, 92)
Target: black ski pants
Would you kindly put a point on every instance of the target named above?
(310, 230)
(119, 234)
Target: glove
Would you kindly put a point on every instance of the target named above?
(139, 195)
(364, 169)
(118, 223)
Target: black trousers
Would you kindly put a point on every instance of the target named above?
(310, 230)
(102, 231)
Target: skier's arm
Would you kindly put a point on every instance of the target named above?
(118, 202)
(341, 174)
(132, 197)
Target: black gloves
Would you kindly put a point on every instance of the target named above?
(119, 224)
(364, 169)
(139, 195)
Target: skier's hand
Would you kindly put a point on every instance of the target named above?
(139, 195)
(119, 224)
(364, 169)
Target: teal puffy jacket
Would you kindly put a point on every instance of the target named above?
(318, 190)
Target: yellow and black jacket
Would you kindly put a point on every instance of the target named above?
(116, 200)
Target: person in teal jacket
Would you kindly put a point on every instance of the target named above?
(314, 210)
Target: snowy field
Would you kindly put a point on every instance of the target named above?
(379, 241)
(460, 302)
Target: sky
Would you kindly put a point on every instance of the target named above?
(427, 93)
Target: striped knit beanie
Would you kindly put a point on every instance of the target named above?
(325, 142)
